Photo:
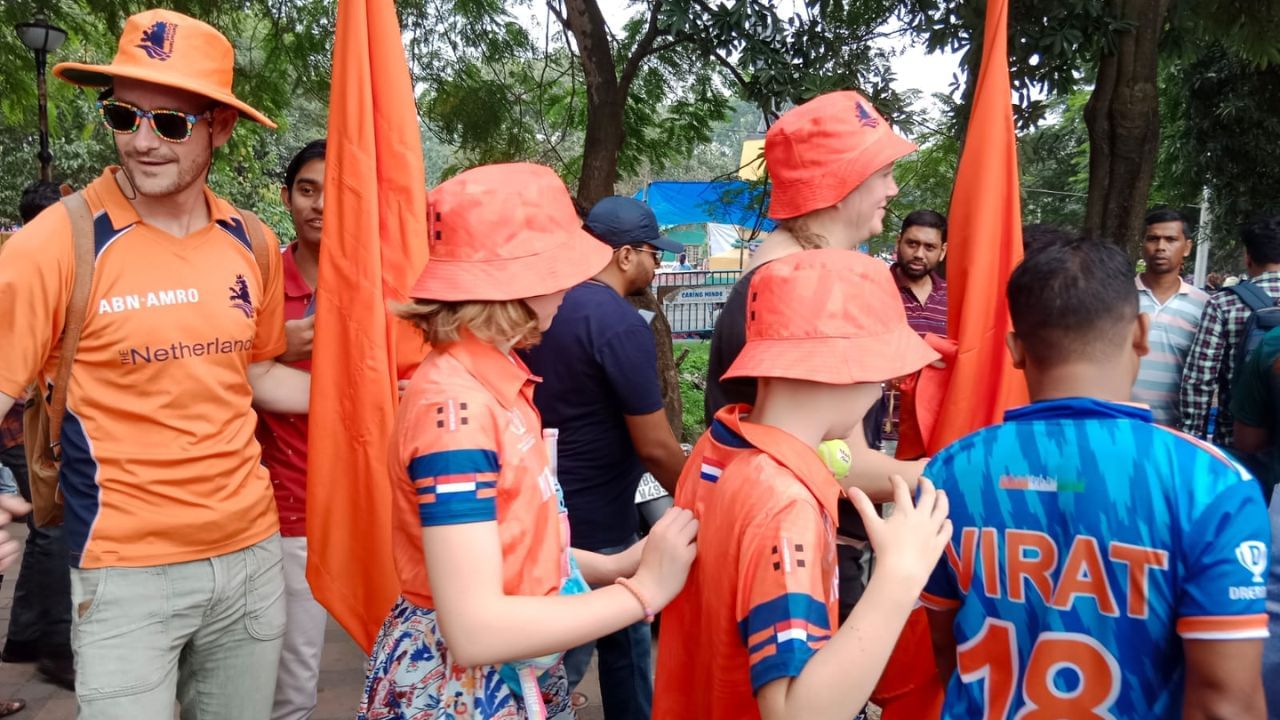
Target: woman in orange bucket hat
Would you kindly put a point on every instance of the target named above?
(480, 536)
(830, 164)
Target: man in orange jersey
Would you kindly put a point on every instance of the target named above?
(176, 577)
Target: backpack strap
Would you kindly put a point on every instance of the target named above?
(77, 308)
(1253, 296)
(258, 239)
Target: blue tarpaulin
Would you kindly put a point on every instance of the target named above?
(731, 202)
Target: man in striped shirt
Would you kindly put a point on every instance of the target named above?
(921, 247)
(1174, 307)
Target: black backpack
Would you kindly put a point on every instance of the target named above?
(1265, 463)
(1264, 315)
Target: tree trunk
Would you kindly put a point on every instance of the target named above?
(606, 99)
(1123, 117)
(606, 102)
(600, 149)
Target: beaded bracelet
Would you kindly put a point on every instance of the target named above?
(631, 588)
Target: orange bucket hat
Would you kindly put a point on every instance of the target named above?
(505, 232)
(168, 48)
(819, 152)
(829, 316)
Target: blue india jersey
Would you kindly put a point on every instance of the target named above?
(1088, 543)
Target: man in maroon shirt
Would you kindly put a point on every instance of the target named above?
(284, 441)
(922, 246)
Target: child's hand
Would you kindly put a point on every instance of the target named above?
(668, 552)
(909, 542)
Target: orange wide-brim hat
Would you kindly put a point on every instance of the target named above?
(828, 316)
(170, 49)
(505, 232)
(819, 152)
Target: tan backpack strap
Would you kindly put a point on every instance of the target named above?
(258, 239)
(77, 309)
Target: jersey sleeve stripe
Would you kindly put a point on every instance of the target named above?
(458, 508)
(454, 462)
(1262, 634)
(784, 610)
(456, 487)
(782, 634)
(431, 488)
(935, 602)
(1223, 627)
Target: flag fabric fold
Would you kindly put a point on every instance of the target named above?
(373, 246)
(984, 246)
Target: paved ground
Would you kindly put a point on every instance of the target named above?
(341, 677)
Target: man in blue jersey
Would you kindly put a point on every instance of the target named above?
(1101, 566)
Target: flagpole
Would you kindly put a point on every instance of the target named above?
(1203, 243)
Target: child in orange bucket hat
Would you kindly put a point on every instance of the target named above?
(830, 163)
(824, 329)
(480, 536)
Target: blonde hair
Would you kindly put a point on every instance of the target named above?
(799, 231)
(497, 322)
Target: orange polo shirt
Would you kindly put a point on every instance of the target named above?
(469, 449)
(160, 464)
(761, 598)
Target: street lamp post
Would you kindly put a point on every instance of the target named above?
(43, 39)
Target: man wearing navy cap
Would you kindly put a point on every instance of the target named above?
(600, 389)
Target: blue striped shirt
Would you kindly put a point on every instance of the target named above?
(1173, 328)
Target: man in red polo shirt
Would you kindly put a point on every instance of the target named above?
(284, 440)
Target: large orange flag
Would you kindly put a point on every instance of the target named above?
(373, 247)
(985, 244)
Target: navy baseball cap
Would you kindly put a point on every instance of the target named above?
(619, 221)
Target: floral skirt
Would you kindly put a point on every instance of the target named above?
(412, 677)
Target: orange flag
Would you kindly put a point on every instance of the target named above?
(985, 244)
(373, 247)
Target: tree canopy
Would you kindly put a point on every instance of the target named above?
(672, 91)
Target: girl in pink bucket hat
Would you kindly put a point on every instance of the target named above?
(480, 534)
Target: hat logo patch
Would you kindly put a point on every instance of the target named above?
(865, 118)
(157, 40)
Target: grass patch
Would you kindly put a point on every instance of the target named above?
(693, 381)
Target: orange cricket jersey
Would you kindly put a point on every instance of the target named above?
(469, 449)
(160, 464)
(761, 598)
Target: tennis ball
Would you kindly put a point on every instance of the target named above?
(835, 453)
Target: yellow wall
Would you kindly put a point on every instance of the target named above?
(751, 166)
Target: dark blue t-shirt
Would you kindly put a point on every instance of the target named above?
(598, 364)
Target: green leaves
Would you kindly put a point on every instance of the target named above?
(282, 68)
(1228, 118)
